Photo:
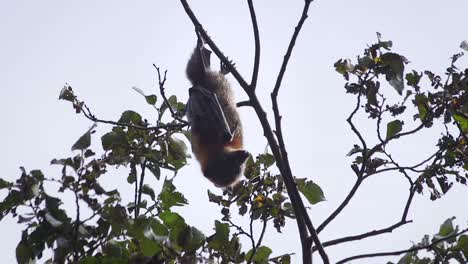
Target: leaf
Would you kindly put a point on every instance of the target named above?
(149, 247)
(171, 220)
(194, 239)
(394, 128)
(221, 237)
(24, 253)
(85, 140)
(151, 99)
(67, 94)
(4, 184)
(394, 75)
(462, 120)
(148, 191)
(261, 255)
(155, 170)
(130, 117)
(354, 150)
(446, 228)
(464, 45)
(169, 197)
(115, 138)
(310, 190)
(462, 244)
(266, 159)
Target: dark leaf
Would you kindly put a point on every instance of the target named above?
(130, 117)
(394, 75)
(149, 191)
(24, 253)
(464, 45)
(84, 141)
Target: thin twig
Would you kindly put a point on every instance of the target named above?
(399, 252)
(359, 178)
(140, 189)
(161, 82)
(88, 114)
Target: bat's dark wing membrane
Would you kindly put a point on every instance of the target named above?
(206, 116)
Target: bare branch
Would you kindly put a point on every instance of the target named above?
(399, 252)
(292, 43)
(343, 204)
(364, 235)
(244, 103)
(253, 83)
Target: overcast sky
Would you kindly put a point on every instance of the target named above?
(103, 48)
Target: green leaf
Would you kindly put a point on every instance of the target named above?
(115, 138)
(149, 191)
(171, 219)
(23, 253)
(462, 120)
(151, 99)
(446, 228)
(221, 237)
(462, 244)
(84, 141)
(88, 260)
(310, 190)
(266, 159)
(194, 239)
(177, 148)
(261, 255)
(283, 259)
(394, 128)
(130, 117)
(4, 184)
(149, 247)
(170, 197)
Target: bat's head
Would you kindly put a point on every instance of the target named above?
(226, 169)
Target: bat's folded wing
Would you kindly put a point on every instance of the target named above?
(206, 116)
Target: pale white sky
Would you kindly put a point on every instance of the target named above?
(103, 48)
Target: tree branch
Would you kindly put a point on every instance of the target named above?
(399, 252)
(253, 83)
(296, 201)
(215, 48)
(364, 235)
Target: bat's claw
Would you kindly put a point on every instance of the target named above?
(224, 68)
